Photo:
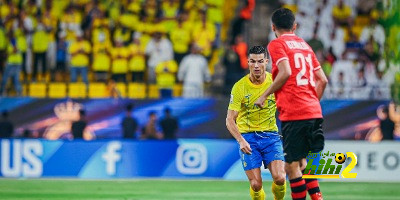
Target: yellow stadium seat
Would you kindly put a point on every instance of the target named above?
(154, 92)
(121, 87)
(97, 90)
(177, 91)
(37, 90)
(77, 90)
(57, 90)
(137, 90)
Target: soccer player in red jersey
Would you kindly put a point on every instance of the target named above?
(299, 84)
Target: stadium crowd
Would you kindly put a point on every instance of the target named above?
(101, 40)
(354, 44)
(165, 42)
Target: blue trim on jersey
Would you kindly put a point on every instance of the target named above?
(266, 147)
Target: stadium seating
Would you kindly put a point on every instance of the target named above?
(97, 90)
(38, 90)
(137, 90)
(57, 90)
(77, 90)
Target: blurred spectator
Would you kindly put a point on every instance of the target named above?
(137, 61)
(360, 87)
(381, 87)
(78, 127)
(158, 49)
(305, 25)
(341, 86)
(342, 13)
(40, 43)
(119, 67)
(166, 73)
(353, 46)
(79, 51)
(129, 124)
(169, 124)
(13, 68)
(335, 42)
(61, 58)
(374, 30)
(240, 48)
(193, 71)
(246, 14)
(150, 130)
(100, 30)
(180, 38)
(370, 52)
(315, 43)
(22, 42)
(386, 125)
(70, 22)
(3, 46)
(215, 15)
(234, 70)
(204, 35)
(394, 115)
(6, 126)
(112, 90)
(123, 34)
(101, 61)
(50, 24)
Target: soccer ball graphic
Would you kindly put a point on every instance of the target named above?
(340, 158)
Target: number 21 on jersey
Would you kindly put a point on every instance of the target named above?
(300, 62)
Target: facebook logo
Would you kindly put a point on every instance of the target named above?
(111, 156)
(191, 159)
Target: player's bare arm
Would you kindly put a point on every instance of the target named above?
(234, 130)
(280, 80)
(320, 82)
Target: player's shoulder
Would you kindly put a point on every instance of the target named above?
(276, 43)
(241, 81)
(240, 84)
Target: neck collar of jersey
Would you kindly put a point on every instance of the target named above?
(254, 85)
(288, 34)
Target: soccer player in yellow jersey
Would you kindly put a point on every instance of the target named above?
(255, 128)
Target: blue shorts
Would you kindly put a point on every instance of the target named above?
(266, 147)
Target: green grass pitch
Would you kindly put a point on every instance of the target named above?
(43, 189)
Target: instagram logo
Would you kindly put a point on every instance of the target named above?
(191, 159)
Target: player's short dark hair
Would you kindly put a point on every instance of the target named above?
(152, 112)
(167, 110)
(129, 107)
(257, 50)
(82, 112)
(4, 113)
(283, 18)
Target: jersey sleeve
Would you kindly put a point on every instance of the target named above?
(235, 101)
(315, 62)
(277, 52)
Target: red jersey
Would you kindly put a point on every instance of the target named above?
(297, 98)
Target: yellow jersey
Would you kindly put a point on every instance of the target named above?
(165, 72)
(80, 59)
(252, 118)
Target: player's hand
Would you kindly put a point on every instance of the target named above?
(245, 147)
(260, 102)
